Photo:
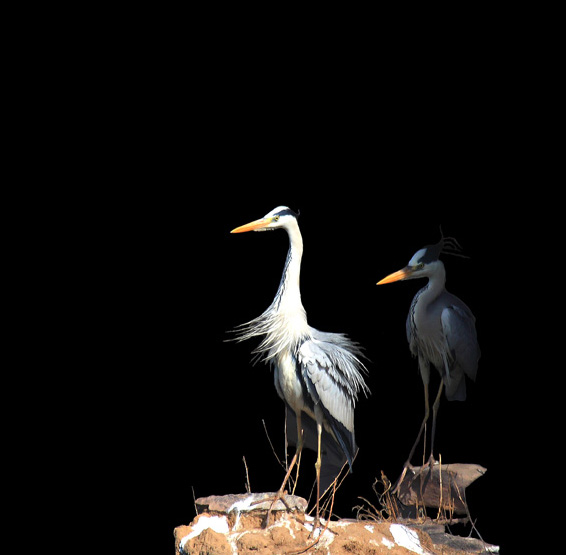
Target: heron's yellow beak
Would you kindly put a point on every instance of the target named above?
(396, 276)
(253, 226)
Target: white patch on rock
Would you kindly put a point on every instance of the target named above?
(407, 538)
(217, 523)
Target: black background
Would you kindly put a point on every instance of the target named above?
(376, 155)
(194, 405)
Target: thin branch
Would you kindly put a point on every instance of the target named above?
(194, 500)
(309, 547)
(283, 466)
(248, 486)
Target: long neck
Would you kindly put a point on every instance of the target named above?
(431, 290)
(436, 281)
(285, 320)
(288, 297)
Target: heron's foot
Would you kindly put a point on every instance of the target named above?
(279, 496)
(431, 462)
(402, 477)
(316, 529)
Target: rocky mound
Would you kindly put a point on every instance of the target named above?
(235, 524)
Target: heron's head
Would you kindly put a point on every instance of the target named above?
(424, 263)
(282, 216)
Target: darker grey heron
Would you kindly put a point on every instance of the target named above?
(317, 374)
(440, 330)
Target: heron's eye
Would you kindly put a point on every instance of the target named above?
(275, 218)
(419, 266)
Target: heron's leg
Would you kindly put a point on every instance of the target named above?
(299, 449)
(297, 457)
(317, 466)
(281, 492)
(434, 413)
(423, 425)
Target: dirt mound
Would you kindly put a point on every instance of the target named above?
(233, 524)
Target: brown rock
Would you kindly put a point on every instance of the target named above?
(231, 526)
(443, 486)
(208, 542)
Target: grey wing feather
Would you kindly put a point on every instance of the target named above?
(410, 337)
(458, 325)
(344, 356)
(332, 373)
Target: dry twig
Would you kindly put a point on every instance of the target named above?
(248, 487)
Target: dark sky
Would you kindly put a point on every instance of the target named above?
(189, 136)
(373, 181)
(196, 402)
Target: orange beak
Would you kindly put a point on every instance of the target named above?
(396, 276)
(253, 226)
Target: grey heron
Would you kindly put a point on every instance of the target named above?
(317, 374)
(440, 330)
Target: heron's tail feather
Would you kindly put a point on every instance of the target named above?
(333, 457)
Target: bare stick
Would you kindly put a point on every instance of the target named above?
(194, 500)
(309, 547)
(337, 482)
(472, 522)
(440, 509)
(283, 466)
(248, 486)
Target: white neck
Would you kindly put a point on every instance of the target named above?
(288, 297)
(285, 320)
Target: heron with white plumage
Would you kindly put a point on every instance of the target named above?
(318, 375)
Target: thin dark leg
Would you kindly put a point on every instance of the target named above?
(434, 413)
(423, 425)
